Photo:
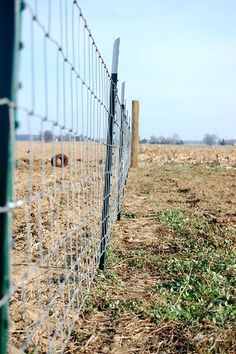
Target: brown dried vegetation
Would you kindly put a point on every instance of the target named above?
(169, 286)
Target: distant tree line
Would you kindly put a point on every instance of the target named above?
(47, 136)
(174, 140)
(212, 139)
(208, 139)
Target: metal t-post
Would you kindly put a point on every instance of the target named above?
(7, 89)
(121, 151)
(108, 165)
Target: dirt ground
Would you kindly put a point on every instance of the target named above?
(169, 285)
(56, 240)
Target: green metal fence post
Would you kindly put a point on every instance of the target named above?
(8, 70)
(108, 165)
(121, 149)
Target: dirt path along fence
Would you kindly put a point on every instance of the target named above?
(65, 155)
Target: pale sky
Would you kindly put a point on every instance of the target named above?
(178, 57)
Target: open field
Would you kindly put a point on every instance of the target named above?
(169, 286)
(56, 239)
(192, 155)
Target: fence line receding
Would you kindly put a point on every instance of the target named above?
(67, 162)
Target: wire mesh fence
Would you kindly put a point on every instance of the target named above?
(69, 160)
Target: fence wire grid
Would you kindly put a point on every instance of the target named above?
(59, 164)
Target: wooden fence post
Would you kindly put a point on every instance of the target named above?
(135, 134)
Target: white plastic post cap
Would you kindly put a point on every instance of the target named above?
(115, 56)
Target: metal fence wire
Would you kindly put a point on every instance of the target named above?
(62, 171)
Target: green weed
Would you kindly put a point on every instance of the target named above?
(198, 283)
(173, 219)
(129, 214)
(137, 258)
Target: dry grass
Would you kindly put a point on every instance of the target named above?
(169, 286)
(196, 155)
(169, 282)
(56, 240)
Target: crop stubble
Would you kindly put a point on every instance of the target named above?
(197, 178)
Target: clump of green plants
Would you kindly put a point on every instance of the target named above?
(173, 219)
(198, 283)
(129, 214)
(137, 258)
